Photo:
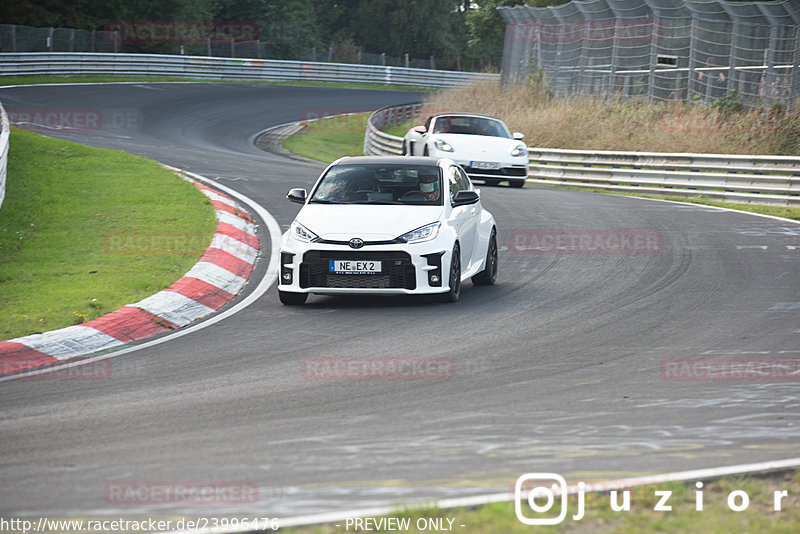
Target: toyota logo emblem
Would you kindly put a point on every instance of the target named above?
(356, 243)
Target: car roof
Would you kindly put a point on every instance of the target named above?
(389, 160)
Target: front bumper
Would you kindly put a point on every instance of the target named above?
(406, 269)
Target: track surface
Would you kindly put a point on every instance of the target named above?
(557, 367)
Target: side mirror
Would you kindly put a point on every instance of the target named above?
(464, 198)
(518, 136)
(420, 129)
(297, 195)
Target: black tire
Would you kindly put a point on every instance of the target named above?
(517, 183)
(405, 148)
(491, 181)
(488, 276)
(455, 278)
(425, 152)
(292, 299)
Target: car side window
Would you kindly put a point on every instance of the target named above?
(428, 124)
(456, 184)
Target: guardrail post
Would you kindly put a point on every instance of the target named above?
(50, 40)
(770, 62)
(5, 134)
(796, 68)
(692, 82)
(13, 37)
(651, 76)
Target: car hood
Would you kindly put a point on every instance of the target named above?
(475, 145)
(342, 222)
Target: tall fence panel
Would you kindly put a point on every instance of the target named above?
(656, 50)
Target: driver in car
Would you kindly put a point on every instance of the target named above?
(429, 185)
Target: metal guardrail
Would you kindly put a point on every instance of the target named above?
(379, 143)
(71, 64)
(5, 135)
(727, 177)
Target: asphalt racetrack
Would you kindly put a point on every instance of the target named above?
(571, 364)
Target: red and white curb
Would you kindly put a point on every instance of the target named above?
(219, 275)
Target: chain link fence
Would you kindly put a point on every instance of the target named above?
(746, 53)
(186, 38)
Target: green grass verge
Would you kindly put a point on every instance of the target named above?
(29, 80)
(715, 516)
(328, 139)
(85, 230)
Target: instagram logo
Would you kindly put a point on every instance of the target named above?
(533, 489)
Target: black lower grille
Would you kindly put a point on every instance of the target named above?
(505, 171)
(397, 270)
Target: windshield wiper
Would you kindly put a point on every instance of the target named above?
(324, 201)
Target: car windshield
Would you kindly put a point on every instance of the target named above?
(380, 184)
(459, 124)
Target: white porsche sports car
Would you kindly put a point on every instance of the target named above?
(482, 145)
(388, 225)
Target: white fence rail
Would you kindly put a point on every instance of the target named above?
(71, 64)
(727, 177)
(5, 135)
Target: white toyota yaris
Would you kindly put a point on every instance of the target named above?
(388, 225)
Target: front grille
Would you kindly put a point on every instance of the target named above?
(398, 271)
(505, 171)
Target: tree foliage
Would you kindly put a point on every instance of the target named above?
(452, 31)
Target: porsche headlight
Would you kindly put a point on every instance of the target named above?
(423, 233)
(444, 146)
(519, 150)
(301, 233)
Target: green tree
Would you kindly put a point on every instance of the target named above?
(486, 29)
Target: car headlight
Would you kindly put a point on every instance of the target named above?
(423, 233)
(443, 145)
(519, 150)
(301, 233)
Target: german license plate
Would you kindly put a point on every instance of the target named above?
(487, 165)
(354, 267)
